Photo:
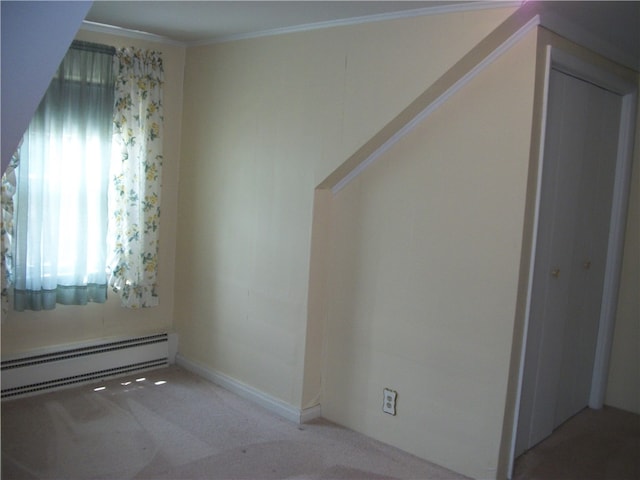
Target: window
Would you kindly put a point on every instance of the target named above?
(60, 206)
(78, 214)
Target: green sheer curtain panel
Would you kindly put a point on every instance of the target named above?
(58, 246)
(136, 173)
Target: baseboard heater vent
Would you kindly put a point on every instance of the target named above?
(82, 364)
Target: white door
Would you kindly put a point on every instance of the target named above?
(575, 210)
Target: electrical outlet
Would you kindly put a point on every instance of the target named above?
(389, 401)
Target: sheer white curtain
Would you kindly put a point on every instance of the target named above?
(60, 208)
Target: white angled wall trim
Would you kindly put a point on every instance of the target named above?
(436, 103)
(247, 392)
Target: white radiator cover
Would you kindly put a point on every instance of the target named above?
(84, 363)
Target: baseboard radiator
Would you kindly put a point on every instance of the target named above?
(84, 363)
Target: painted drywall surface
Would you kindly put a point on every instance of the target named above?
(424, 275)
(24, 331)
(623, 387)
(265, 121)
(35, 37)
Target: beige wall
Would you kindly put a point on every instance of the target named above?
(623, 388)
(265, 121)
(428, 313)
(24, 331)
(423, 278)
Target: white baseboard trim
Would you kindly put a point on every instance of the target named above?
(311, 413)
(245, 391)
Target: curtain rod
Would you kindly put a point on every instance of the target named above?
(93, 47)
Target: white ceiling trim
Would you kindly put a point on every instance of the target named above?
(129, 33)
(418, 12)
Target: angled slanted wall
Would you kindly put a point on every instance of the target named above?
(35, 37)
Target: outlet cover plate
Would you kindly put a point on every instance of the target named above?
(389, 401)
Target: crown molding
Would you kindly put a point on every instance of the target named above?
(129, 33)
(417, 12)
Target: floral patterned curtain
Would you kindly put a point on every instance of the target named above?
(134, 195)
(6, 228)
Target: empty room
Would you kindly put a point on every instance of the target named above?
(314, 240)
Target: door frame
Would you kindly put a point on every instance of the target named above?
(559, 58)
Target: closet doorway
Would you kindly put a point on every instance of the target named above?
(582, 208)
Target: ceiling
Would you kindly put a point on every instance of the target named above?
(615, 23)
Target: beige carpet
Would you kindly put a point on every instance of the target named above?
(593, 445)
(185, 428)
